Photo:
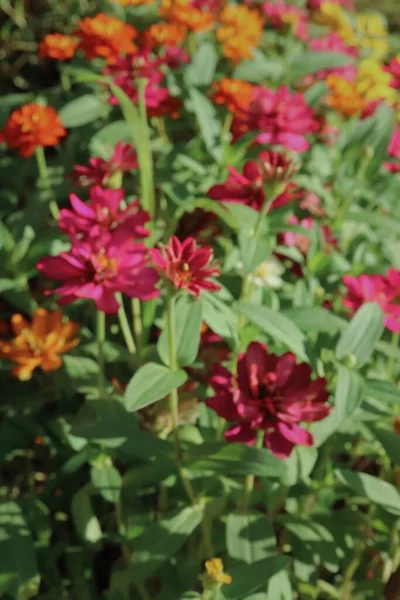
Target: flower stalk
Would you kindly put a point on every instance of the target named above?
(45, 180)
(144, 153)
(124, 323)
(101, 337)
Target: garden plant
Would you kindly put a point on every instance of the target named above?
(199, 301)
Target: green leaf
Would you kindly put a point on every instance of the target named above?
(390, 442)
(107, 480)
(349, 392)
(18, 567)
(379, 492)
(86, 523)
(362, 333)
(234, 459)
(81, 111)
(382, 390)
(218, 316)
(81, 370)
(259, 68)
(188, 320)
(210, 127)
(277, 326)
(253, 251)
(150, 383)
(388, 224)
(202, 66)
(249, 537)
(104, 140)
(307, 63)
(248, 579)
(162, 540)
(315, 318)
(279, 587)
(299, 465)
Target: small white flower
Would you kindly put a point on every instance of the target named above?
(268, 274)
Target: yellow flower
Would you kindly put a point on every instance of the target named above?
(373, 83)
(332, 15)
(215, 572)
(372, 34)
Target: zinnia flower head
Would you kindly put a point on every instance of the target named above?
(278, 117)
(100, 266)
(104, 210)
(277, 167)
(57, 46)
(105, 37)
(247, 188)
(187, 13)
(164, 34)
(394, 151)
(240, 31)
(344, 96)
(186, 266)
(38, 344)
(302, 241)
(269, 393)
(334, 43)
(331, 14)
(235, 94)
(393, 68)
(382, 289)
(101, 171)
(372, 34)
(373, 82)
(215, 572)
(283, 16)
(32, 126)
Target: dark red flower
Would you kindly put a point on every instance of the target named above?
(394, 69)
(186, 266)
(277, 166)
(270, 393)
(100, 171)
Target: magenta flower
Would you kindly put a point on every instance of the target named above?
(333, 43)
(270, 393)
(100, 266)
(186, 266)
(247, 188)
(103, 210)
(394, 151)
(316, 4)
(302, 241)
(394, 69)
(278, 118)
(282, 15)
(100, 171)
(384, 290)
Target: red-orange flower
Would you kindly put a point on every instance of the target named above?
(38, 344)
(32, 126)
(240, 33)
(186, 13)
(105, 37)
(164, 34)
(233, 93)
(57, 46)
(344, 96)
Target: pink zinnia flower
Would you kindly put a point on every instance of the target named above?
(302, 241)
(394, 151)
(278, 117)
(270, 393)
(316, 4)
(247, 188)
(282, 15)
(384, 290)
(394, 69)
(104, 210)
(99, 267)
(333, 43)
(186, 266)
(100, 171)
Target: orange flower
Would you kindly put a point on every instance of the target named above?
(105, 37)
(32, 126)
(164, 34)
(344, 96)
(182, 12)
(240, 33)
(233, 93)
(38, 344)
(57, 46)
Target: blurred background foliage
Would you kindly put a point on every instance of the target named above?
(391, 8)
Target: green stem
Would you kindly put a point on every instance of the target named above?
(391, 361)
(65, 81)
(124, 323)
(45, 181)
(143, 593)
(249, 481)
(173, 399)
(101, 336)
(145, 155)
(137, 322)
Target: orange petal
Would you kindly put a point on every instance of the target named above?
(18, 324)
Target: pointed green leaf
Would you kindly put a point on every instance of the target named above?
(151, 383)
(188, 320)
(362, 333)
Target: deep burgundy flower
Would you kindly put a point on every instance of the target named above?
(104, 209)
(99, 267)
(382, 289)
(247, 188)
(186, 266)
(277, 166)
(100, 171)
(270, 393)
